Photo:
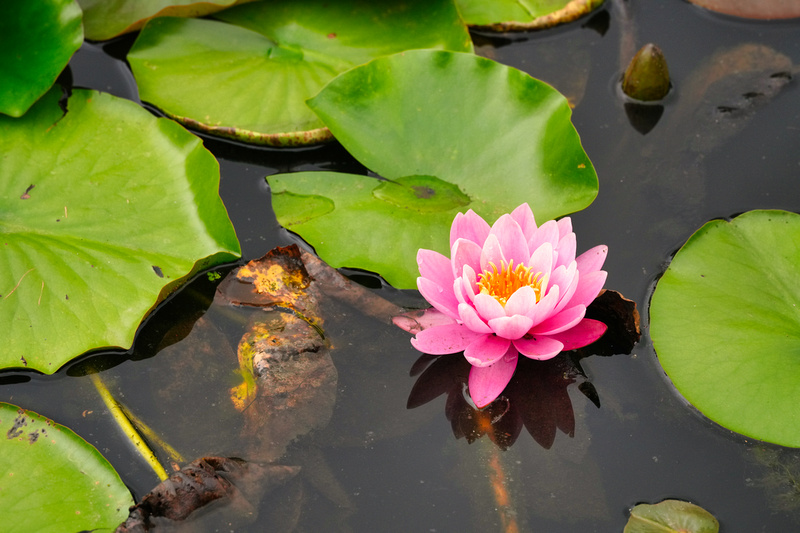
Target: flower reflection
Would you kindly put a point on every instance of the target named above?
(537, 397)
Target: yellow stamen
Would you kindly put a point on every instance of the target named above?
(501, 285)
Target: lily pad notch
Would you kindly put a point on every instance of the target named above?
(725, 324)
(450, 132)
(104, 211)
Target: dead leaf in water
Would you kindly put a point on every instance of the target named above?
(210, 479)
(293, 386)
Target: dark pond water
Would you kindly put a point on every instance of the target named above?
(378, 466)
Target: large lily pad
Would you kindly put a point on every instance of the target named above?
(38, 39)
(452, 132)
(53, 480)
(521, 15)
(725, 322)
(104, 19)
(248, 75)
(103, 211)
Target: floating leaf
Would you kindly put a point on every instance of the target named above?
(521, 15)
(725, 318)
(53, 480)
(38, 39)
(671, 516)
(761, 9)
(248, 76)
(104, 210)
(412, 119)
(104, 19)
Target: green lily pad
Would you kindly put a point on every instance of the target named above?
(104, 19)
(671, 516)
(104, 210)
(38, 39)
(452, 132)
(522, 15)
(53, 480)
(725, 323)
(247, 76)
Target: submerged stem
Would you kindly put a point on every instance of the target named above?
(127, 427)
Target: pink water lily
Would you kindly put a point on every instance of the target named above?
(509, 289)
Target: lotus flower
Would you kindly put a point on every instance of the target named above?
(513, 288)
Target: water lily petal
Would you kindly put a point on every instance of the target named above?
(464, 286)
(542, 259)
(539, 347)
(471, 319)
(486, 350)
(511, 327)
(469, 226)
(567, 245)
(464, 252)
(442, 298)
(582, 334)
(521, 302)
(567, 280)
(491, 254)
(592, 259)
(458, 290)
(512, 240)
(544, 308)
(487, 383)
(435, 267)
(416, 321)
(589, 286)
(442, 340)
(524, 217)
(561, 321)
(547, 232)
(487, 307)
(564, 226)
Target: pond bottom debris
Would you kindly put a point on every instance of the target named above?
(228, 480)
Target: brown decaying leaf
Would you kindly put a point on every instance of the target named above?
(286, 277)
(295, 384)
(289, 379)
(622, 318)
(278, 279)
(202, 482)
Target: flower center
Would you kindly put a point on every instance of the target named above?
(501, 285)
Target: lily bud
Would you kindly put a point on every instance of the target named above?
(647, 75)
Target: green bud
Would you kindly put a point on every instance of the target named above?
(647, 75)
